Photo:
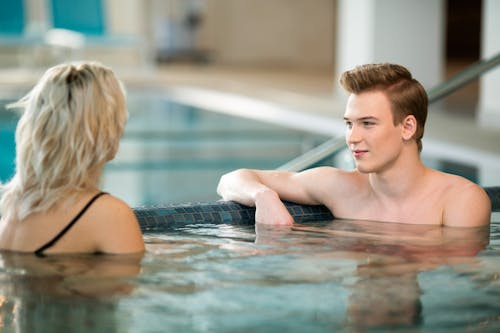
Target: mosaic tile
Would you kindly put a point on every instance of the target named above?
(163, 217)
(494, 194)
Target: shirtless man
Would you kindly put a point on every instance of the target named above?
(385, 117)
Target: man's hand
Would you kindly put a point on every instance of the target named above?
(269, 209)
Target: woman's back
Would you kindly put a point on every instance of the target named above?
(108, 225)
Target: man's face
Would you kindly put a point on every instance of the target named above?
(370, 132)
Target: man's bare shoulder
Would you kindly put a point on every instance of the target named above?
(328, 182)
(466, 203)
(334, 175)
(454, 184)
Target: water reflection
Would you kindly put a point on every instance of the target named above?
(324, 277)
(385, 291)
(74, 293)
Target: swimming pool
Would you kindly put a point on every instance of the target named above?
(337, 276)
(315, 277)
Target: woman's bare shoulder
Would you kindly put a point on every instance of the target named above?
(113, 204)
(119, 229)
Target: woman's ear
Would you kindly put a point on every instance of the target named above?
(409, 127)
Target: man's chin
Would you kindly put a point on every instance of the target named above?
(363, 169)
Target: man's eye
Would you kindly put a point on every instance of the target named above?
(348, 124)
(368, 123)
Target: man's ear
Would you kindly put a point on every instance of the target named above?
(409, 127)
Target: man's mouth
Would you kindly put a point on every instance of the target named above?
(358, 153)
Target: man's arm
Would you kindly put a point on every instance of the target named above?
(469, 206)
(265, 189)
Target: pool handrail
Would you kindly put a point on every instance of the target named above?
(462, 78)
(336, 144)
(313, 156)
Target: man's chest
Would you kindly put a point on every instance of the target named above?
(426, 209)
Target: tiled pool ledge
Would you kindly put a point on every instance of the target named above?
(164, 217)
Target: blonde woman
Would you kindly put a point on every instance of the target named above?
(71, 125)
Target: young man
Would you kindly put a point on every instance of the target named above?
(385, 117)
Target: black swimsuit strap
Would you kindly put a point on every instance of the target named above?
(39, 252)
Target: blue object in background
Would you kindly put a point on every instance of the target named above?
(8, 154)
(8, 120)
(12, 17)
(85, 16)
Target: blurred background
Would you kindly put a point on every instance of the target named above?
(286, 53)
(434, 38)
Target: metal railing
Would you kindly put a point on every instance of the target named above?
(337, 144)
(315, 155)
(459, 80)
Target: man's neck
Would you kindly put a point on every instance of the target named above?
(396, 182)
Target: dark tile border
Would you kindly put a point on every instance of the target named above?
(164, 217)
(494, 194)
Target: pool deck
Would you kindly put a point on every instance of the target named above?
(307, 99)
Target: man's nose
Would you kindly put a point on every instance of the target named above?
(353, 134)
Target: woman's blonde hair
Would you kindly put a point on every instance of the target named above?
(71, 125)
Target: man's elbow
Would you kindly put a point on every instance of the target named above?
(228, 181)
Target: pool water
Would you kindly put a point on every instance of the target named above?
(333, 276)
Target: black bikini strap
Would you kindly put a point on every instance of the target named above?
(39, 252)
